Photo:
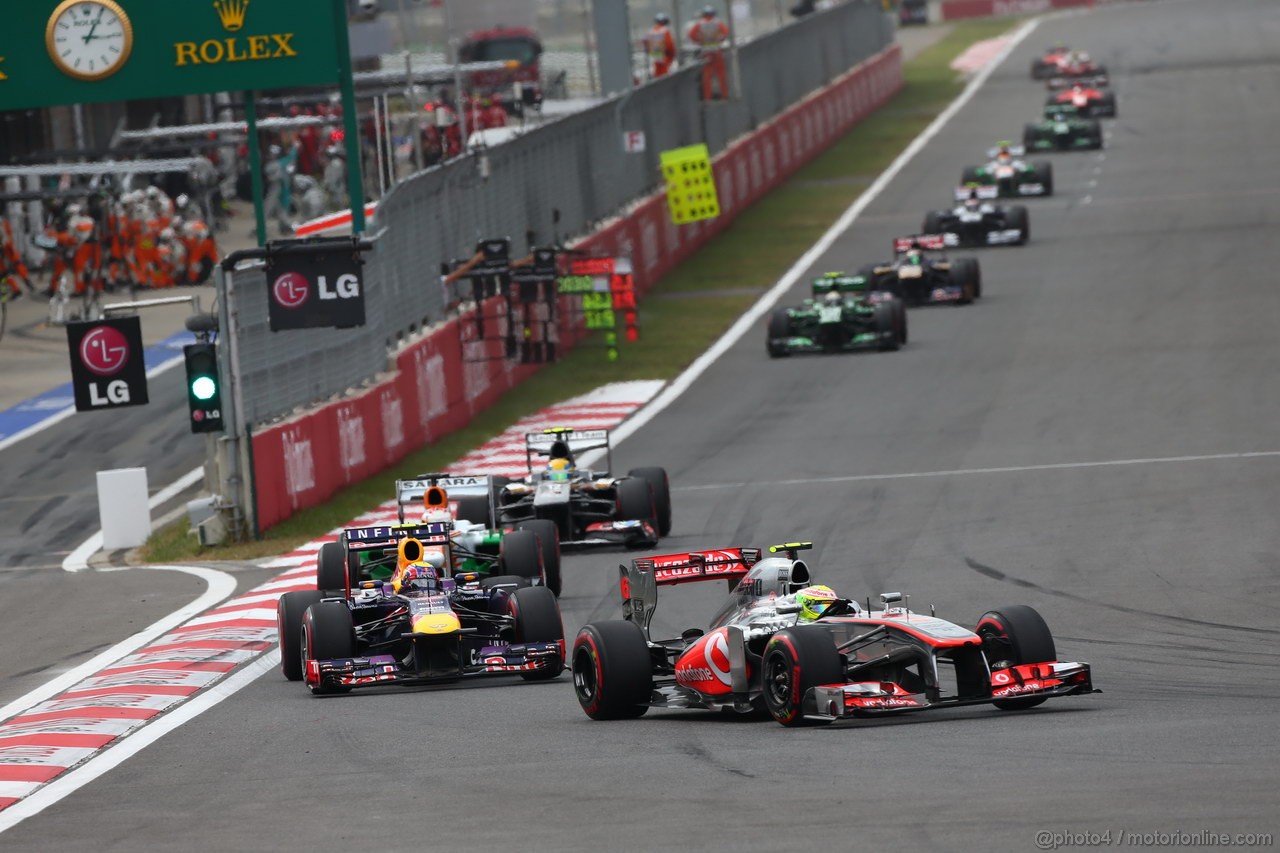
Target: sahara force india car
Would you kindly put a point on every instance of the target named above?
(850, 662)
(442, 626)
(980, 223)
(1006, 175)
(920, 279)
(587, 507)
(843, 315)
(1062, 129)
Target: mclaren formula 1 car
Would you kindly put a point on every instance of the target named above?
(588, 507)
(926, 279)
(440, 625)
(1062, 129)
(757, 655)
(975, 222)
(1006, 175)
(843, 315)
(1088, 100)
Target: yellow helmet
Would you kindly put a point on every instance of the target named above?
(559, 469)
(814, 601)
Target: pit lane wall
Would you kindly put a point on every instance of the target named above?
(432, 391)
(955, 10)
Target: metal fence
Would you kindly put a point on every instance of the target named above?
(576, 166)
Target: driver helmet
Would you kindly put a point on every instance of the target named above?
(422, 575)
(559, 469)
(832, 298)
(912, 256)
(661, 18)
(814, 601)
(708, 11)
(1003, 153)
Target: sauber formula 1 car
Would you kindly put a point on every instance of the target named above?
(975, 222)
(588, 507)
(842, 316)
(1088, 100)
(440, 626)
(850, 662)
(1062, 130)
(920, 279)
(1006, 175)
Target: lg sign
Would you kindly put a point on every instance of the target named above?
(107, 370)
(315, 290)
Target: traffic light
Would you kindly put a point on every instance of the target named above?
(204, 389)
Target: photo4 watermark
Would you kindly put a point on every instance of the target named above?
(1047, 839)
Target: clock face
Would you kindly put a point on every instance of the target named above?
(89, 39)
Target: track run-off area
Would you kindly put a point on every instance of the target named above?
(1094, 438)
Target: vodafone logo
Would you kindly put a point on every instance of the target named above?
(104, 351)
(291, 290)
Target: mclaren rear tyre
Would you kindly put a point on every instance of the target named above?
(548, 536)
(331, 568)
(1018, 218)
(289, 611)
(520, 554)
(779, 327)
(328, 633)
(1013, 635)
(887, 326)
(966, 275)
(612, 670)
(795, 661)
(536, 619)
(661, 485)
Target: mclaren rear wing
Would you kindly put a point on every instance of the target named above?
(410, 491)
(639, 582)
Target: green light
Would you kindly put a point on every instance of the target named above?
(203, 388)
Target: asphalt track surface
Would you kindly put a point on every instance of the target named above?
(1137, 327)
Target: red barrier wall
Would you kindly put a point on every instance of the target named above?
(304, 461)
(953, 10)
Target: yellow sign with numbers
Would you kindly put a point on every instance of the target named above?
(691, 184)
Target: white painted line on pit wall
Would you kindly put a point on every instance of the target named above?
(1010, 469)
(748, 321)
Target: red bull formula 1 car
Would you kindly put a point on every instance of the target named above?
(926, 279)
(758, 655)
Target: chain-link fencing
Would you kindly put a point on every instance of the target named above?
(560, 179)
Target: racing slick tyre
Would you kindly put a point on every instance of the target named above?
(635, 501)
(289, 611)
(779, 327)
(537, 620)
(1041, 70)
(1030, 136)
(1107, 105)
(474, 508)
(328, 633)
(932, 223)
(661, 485)
(612, 670)
(1094, 134)
(548, 536)
(794, 661)
(967, 276)
(968, 176)
(1017, 218)
(887, 327)
(520, 554)
(331, 568)
(900, 310)
(1044, 175)
(504, 580)
(1013, 635)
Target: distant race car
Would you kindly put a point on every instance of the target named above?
(1046, 65)
(425, 623)
(976, 222)
(588, 507)
(921, 279)
(1007, 175)
(1077, 63)
(1062, 130)
(804, 655)
(1089, 101)
(913, 12)
(843, 315)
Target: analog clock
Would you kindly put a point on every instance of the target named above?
(89, 39)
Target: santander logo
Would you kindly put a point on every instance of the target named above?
(104, 351)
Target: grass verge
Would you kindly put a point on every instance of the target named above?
(682, 315)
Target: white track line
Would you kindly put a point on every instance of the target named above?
(753, 315)
(1010, 469)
